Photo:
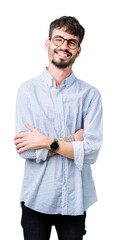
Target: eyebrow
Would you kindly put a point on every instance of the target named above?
(71, 39)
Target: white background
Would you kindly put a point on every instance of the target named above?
(23, 31)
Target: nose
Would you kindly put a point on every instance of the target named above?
(65, 43)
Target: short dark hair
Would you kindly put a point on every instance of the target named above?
(71, 25)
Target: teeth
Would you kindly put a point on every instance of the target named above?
(62, 54)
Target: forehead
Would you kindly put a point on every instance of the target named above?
(66, 35)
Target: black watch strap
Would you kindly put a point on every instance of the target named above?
(54, 145)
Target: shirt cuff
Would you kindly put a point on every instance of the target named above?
(41, 155)
(78, 154)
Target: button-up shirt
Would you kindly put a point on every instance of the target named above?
(57, 184)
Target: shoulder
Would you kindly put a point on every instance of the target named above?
(88, 89)
(29, 85)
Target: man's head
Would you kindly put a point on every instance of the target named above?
(63, 45)
(70, 24)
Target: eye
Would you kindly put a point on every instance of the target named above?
(72, 43)
(58, 40)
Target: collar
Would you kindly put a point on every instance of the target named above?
(51, 81)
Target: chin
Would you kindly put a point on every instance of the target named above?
(61, 64)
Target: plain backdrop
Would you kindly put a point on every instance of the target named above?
(24, 28)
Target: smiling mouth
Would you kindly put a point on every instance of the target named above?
(63, 54)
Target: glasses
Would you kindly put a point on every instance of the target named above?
(71, 43)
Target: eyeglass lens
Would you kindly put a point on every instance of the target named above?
(72, 43)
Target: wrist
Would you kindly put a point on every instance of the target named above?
(48, 142)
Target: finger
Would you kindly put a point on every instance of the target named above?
(21, 135)
(29, 127)
(23, 149)
(20, 140)
(81, 130)
(20, 145)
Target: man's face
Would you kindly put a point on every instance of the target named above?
(62, 56)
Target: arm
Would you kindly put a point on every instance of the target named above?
(86, 152)
(93, 130)
(36, 140)
(67, 149)
(23, 115)
(70, 138)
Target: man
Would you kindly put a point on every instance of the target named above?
(59, 133)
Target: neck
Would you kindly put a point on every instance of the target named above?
(59, 74)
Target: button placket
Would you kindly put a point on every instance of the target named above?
(61, 133)
(64, 196)
(60, 113)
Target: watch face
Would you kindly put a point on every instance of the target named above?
(54, 145)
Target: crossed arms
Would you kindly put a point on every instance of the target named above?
(32, 144)
(36, 140)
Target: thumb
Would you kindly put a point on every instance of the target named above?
(29, 127)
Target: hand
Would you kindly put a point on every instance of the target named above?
(30, 140)
(79, 135)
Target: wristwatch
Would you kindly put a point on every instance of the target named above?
(54, 145)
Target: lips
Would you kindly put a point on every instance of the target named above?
(63, 53)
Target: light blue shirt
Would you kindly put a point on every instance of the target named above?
(58, 184)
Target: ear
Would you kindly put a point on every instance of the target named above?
(47, 44)
(79, 50)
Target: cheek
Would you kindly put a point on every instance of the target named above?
(78, 52)
(49, 52)
(75, 55)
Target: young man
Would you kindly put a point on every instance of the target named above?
(59, 133)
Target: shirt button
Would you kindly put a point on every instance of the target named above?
(60, 111)
(61, 131)
(65, 169)
(64, 188)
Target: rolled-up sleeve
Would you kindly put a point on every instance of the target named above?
(41, 155)
(87, 151)
(23, 116)
(78, 154)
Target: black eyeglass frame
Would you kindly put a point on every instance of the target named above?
(68, 40)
